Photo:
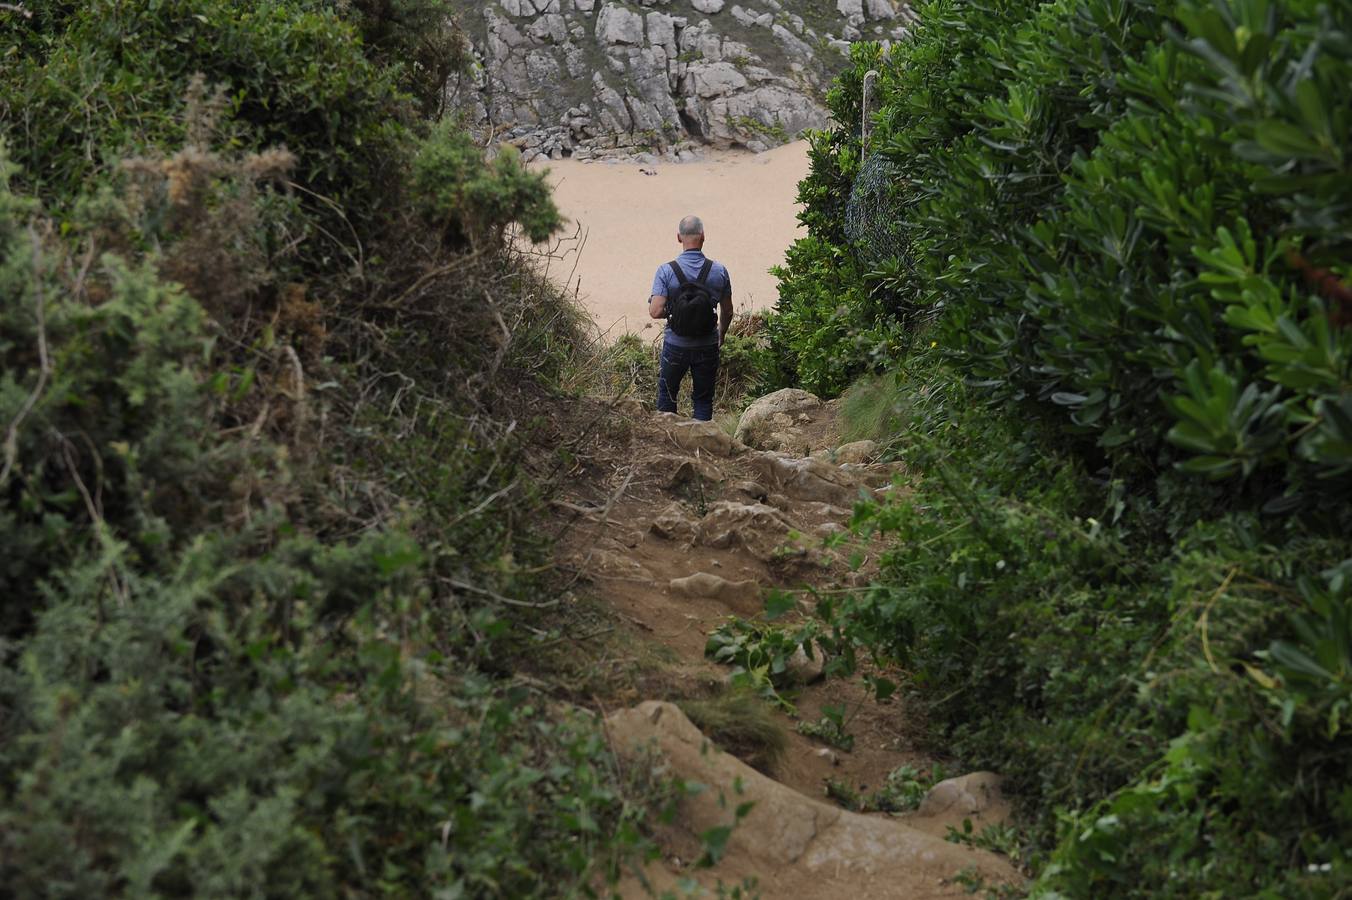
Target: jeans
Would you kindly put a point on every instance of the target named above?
(702, 363)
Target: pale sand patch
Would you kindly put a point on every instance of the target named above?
(747, 201)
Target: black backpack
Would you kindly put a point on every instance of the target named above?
(690, 308)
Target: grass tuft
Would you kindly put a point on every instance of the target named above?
(743, 725)
(873, 408)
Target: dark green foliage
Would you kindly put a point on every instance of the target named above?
(419, 40)
(826, 329)
(1116, 258)
(215, 731)
(1059, 643)
(199, 699)
(1141, 236)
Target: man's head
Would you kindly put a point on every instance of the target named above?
(690, 233)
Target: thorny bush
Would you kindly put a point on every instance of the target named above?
(262, 491)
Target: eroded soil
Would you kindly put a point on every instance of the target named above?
(675, 526)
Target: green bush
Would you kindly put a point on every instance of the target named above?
(1123, 228)
(472, 200)
(824, 330)
(1139, 235)
(1131, 691)
(202, 697)
(100, 79)
(266, 557)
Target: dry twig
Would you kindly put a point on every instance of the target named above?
(44, 362)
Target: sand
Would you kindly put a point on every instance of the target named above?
(625, 225)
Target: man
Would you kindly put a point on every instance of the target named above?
(681, 291)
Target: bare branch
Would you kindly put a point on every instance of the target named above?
(485, 592)
(45, 363)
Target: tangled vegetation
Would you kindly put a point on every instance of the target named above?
(266, 469)
(1102, 304)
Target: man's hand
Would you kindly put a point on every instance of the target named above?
(657, 306)
(724, 318)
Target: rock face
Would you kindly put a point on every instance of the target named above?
(598, 78)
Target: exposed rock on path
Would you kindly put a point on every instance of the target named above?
(691, 525)
(794, 845)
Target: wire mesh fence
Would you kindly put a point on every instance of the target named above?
(873, 212)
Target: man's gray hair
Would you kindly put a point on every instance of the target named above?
(690, 226)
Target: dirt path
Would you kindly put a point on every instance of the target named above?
(677, 499)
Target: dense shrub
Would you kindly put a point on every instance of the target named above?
(1139, 234)
(102, 80)
(471, 200)
(1110, 253)
(262, 488)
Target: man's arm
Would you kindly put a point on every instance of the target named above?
(657, 306)
(724, 316)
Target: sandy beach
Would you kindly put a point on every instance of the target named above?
(626, 224)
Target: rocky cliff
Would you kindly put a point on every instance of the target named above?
(596, 78)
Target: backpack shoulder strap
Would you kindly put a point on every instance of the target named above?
(704, 272)
(676, 270)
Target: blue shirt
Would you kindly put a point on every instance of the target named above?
(719, 282)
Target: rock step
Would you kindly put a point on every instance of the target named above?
(795, 845)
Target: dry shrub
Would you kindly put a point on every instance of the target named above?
(201, 208)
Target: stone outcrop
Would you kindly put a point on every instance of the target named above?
(797, 846)
(964, 795)
(598, 78)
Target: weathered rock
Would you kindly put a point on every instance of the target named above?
(965, 795)
(773, 414)
(788, 839)
(674, 524)
(702, 584)
(807, 479)
(611, 564)
(617, 25)
(759, 528)
(751, 489)
(700, 436)
(804, 669)
(667, 79)
(856, 452)
(672, 471)
(880, 9)
(808, 509)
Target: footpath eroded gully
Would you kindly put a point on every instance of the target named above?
(673, 526)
